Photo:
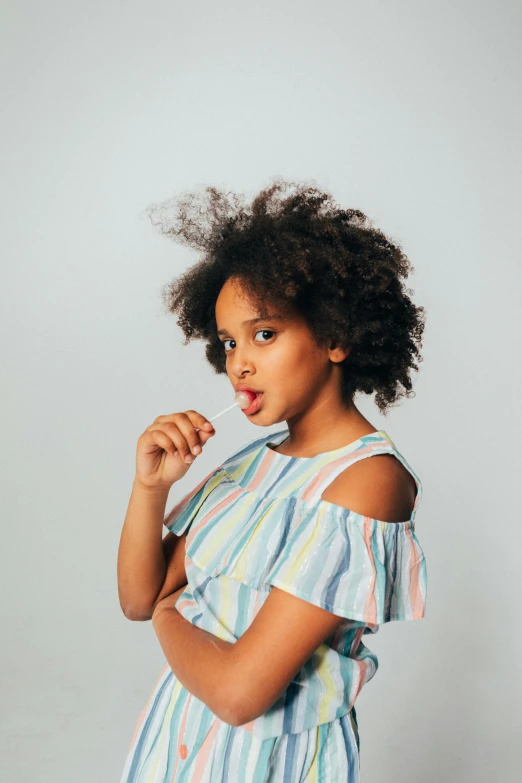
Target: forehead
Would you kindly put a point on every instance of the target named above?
(234, 303)
(233, 297)
(234, 309)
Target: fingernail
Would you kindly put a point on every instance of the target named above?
(189, 458)
(196, 449)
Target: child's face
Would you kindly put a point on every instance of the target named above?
(276, 356)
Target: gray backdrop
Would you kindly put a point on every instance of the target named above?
(409, 111)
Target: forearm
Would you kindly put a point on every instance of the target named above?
(203, 663)
(141, 559)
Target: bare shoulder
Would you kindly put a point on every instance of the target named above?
(379, 487)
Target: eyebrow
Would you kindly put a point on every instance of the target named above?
(269, 317)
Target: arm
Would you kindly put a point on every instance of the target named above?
(282, 637)
(239, 681)
(203, 663)
(149, 567)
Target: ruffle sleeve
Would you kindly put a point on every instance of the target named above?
(354, 566)
(181, 516)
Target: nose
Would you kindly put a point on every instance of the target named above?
(241, 363)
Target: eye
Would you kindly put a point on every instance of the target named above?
(260, 331)
(225, 341)
(265, 331)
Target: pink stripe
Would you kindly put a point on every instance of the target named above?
(180, 605)
(356, 641)
(257, 602)
(206, 518)
(262, 470)
(370, 609)
(204, 752)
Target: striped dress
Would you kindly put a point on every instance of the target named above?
(256, 521)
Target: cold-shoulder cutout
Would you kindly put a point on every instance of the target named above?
(375, 487)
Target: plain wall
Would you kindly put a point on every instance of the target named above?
(408, 111)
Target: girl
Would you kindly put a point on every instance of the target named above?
(297, 545)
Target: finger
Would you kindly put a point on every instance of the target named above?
(178, 444)
(172, 431)
(202, 428)
(197, 419)
(186, 428)
(200, 421)
(187, 422)
(160, 438)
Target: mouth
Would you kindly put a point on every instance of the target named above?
(254, 406)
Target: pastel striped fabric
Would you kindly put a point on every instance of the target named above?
(258, 521)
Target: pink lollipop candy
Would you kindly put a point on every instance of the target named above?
(243, 399)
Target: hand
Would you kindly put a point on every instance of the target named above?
(169, 602)
(164, 450)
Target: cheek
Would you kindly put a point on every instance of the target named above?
(296, 364)
(282, 362)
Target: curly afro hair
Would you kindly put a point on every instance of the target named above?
(292, 245)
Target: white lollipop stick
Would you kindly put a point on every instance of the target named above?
(242, 400)
(234, 405)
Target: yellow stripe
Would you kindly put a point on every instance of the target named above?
(226, 527)
(308, 548)
(330, 693)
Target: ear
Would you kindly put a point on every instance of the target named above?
(338, 354)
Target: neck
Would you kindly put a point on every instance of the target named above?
(324, 427)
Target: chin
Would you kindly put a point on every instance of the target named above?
(260, 420)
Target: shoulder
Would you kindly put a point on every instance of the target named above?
(379, 487)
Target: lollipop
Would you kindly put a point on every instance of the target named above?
(243, 399)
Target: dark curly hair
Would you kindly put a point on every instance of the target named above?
(292, 245)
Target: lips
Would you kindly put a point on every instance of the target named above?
(242, 387)
(254, 406)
